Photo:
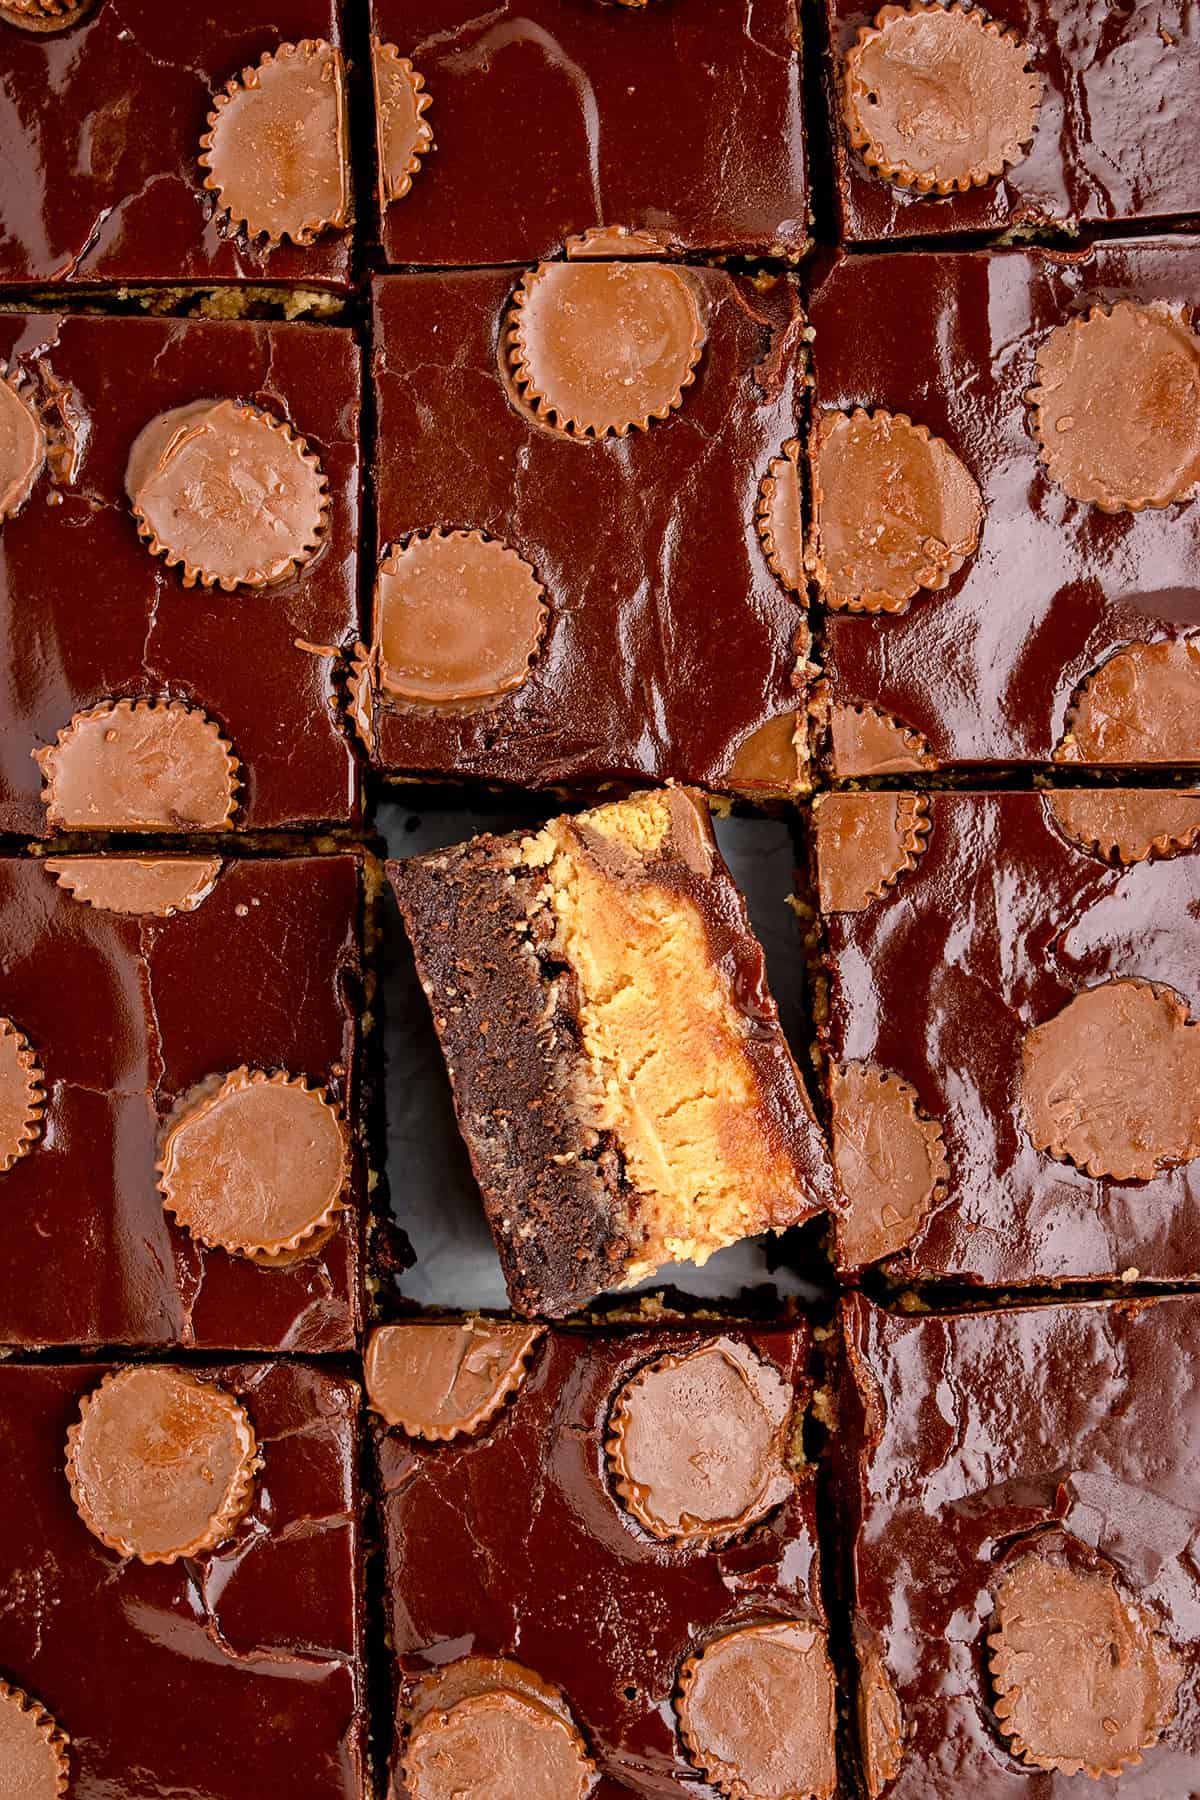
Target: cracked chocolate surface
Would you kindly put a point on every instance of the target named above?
(264, 971)
(186, 1661)
(89, 617)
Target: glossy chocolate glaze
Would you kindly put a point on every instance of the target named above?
(551, 117)
(986, 668)
(128, 1014)
(963, 1441)
(513, 1544)
(233, 1673)
(103, 180)
(669, 639)
(90, 615)
(999, 924)
(1117, 134)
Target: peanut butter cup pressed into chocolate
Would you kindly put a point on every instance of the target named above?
(698, 1444)
(1141, 706)
(618, 1069)
(889, 1157)
(600, 348)
(939, 98)
(865, 844)
(772, 761)
(780, 517)
(34, 1760)
(152, 887)
(276, 154)
(1084, 1682)
(161, 1464)
(757, 1711)
(402, 134)
(501, 1742)
(877, 1715)
(894, 510)
(865, 740)
(459, 617)
(1112, 1082)
(1127, 825)
(1116, 406)
(22, 447)
(229, 494)
(440, 1382)
(139, 765)
(257, 1164)
(22, 1095)
(44, 15)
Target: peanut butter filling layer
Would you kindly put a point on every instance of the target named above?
(664, 1071)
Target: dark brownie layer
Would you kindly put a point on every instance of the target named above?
(965, 1446)
(104, 182)
(683, 124)
(569, 1187)
(538, 1555)
(669, 640)
(986, 669)
(125, 1016)
(224, 1674)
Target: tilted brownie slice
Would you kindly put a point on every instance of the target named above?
(619, 1071)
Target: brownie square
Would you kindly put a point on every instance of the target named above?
(92, 617)
(1010, 1018)
(988, 663)
(1018, 1491)
(104, 180)
(129, 1017)
(223, 1674)
(1114, 136)
(620, 1076)
(680, 124)
(665, 642)
(506, 1463)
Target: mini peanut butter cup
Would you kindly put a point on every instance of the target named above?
(160, 1465)
(44, 15)
(889, 1157)
(1141, 706)
(23, 447)
(772, 760)
(139, 765)
(865, 843)
(34, 1754)
(459, 618)
(500, 1742)
(939, 98)
(402, 134)
(895, 511)
(22, 1096)
(445, 1381)
(878, 1718)
(602, 348)
(698, 1443)
(865, 740)
(1084, 1682)
(149, 886)
(1116, 406)
(1112, 1082)
(780, 519)
(276, 155)
(256, 1165)
(1127, 825)
(230, 495)
(757, 1711)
